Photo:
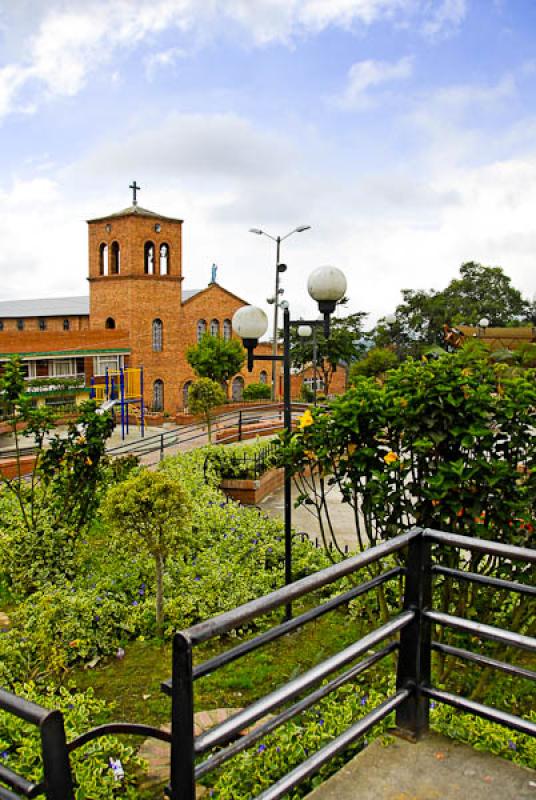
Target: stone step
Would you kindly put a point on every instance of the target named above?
(437, 768)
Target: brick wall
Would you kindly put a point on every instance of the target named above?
(53, 324)
(133, 300)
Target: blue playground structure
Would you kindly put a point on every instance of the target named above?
(123, 388)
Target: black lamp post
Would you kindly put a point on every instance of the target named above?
(326, 285)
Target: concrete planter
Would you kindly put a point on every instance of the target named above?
(250, 492)
(8, 466)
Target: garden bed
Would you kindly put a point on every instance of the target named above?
(9, 468)
(250, 492)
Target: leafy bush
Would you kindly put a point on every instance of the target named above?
(257, 391)
(278, 753)
(241, 461)
(230, 554)
(376, 362)
(254, 770)
(20, 746)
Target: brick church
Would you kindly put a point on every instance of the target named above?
(137, 314)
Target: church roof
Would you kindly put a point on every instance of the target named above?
(135, 211)
(38, 344)
(189, 293)
(46, 307)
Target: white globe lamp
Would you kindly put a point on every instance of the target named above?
(327, 285)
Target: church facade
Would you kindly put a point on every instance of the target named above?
(137, 314)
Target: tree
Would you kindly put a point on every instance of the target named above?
(479, 292)
(216, 358)
(149, 512)
(67, 470)
(377, 361)
(204, 395)
(343, 346)
(442, 443)
(44, 516)
(484, 292)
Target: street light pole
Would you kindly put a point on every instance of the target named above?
(278, 269)
(276, 308)
(326, 285)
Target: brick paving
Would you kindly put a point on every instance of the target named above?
(156, 753)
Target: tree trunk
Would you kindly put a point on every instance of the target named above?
(159, 594)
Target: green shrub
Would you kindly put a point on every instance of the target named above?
(257, 391)
(240, 461)
(20, 746)
(376, 362)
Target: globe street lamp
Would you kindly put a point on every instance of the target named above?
(279, 268)
(326, 285)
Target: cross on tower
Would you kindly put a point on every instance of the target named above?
(134, 186)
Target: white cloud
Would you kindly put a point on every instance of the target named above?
(66, 43)
(364, 75)
(408, 226)
(163, 60)
(212, 147)
(446, 16)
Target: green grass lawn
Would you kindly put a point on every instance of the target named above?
(133, 682)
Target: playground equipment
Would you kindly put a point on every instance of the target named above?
(123, 388)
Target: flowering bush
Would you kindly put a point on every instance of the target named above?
(447, 444)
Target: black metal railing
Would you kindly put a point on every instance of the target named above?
(242, 465)
(408, 632)
(232, 426)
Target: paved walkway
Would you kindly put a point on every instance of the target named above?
(436, 768)
(342, 516)
(156, 753)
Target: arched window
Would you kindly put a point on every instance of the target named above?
(110, 323)
(238, 388)
(185, 390)
(116, 259)
(164, 259)
(201, 329)
(214, 327)
(66, 324)
(227, 329)
(263, 377)
(103, 259)
(158, 335)
(158, 395)
(148, 258)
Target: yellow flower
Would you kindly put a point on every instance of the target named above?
(310, 455)
(352, 447)
(89, 462)
(305, 420)
(390, 458)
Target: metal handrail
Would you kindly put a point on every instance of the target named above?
(414, 689)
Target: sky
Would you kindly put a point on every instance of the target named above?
(402, 131)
